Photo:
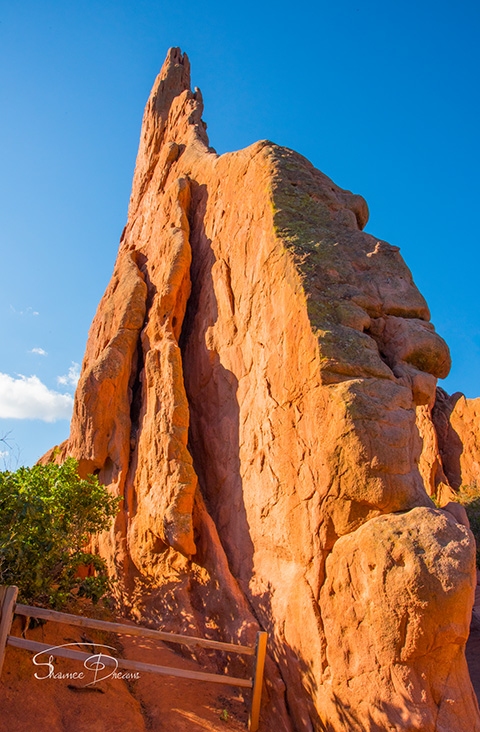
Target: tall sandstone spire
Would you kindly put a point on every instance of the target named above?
(249, 388)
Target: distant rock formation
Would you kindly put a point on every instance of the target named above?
(450, 459)
(457, 423)
(249, 387)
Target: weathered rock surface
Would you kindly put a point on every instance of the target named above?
(385, 634)
(457, 423)
(450, 432)
(249, 387)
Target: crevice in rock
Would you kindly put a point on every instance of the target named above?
(138, 360)
(135, 387)
(211, 392)
(200, 270)
(380, 346)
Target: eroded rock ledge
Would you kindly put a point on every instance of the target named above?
(249, 387)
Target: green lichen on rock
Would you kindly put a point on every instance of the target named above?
(305, 204)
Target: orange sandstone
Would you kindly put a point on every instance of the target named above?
(249, 387)
(457, 423)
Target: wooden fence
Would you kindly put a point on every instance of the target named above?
(9, 607)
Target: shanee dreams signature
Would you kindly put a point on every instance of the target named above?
(97, 666)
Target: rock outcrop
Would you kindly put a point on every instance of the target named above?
(249, 387)
(450, 458)
(457, 424)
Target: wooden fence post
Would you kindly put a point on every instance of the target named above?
(8, 597)
(260, 652)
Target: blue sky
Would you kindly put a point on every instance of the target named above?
(380, 96)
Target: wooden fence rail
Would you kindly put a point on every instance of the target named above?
(9, 607)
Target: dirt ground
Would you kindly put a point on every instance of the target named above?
(151, 703)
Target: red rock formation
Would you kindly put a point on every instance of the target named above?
(457, 423)
(450, 432)
(249, 387)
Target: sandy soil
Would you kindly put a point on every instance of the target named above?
(152, 703)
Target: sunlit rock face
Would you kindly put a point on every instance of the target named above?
(457, 424)
(450, 458)
(249, 387)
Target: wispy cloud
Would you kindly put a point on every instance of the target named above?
(26, 397)
(70, 379)
(39, 351)
(27, 311)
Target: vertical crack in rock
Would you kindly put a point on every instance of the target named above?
(165, 481)
(135, 386)
(214, 441)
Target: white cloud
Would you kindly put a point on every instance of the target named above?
(39, 351)
(4, 454)
(27, 311)
(26, 397)
(70, 379)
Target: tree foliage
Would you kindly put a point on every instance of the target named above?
(47, 514)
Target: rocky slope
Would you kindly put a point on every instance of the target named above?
(249, 387)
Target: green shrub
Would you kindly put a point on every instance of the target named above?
(47, 514)
(469, 497)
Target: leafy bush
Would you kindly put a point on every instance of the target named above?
(47, 514)
(469, 497)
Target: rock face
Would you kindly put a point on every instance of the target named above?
(457, 423)
(383, 631)
(450, 429)
(249, 387)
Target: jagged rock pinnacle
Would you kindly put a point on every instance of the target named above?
(249, 388)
